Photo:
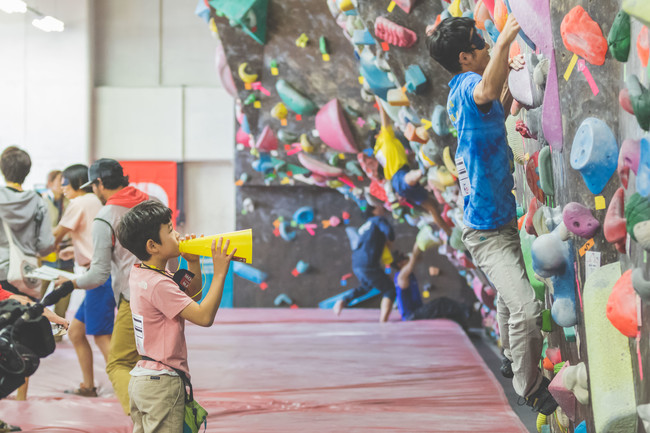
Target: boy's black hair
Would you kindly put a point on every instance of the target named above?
(77, 175)
(398, 257)
(450, 38)
(140, 224)
(15, 164)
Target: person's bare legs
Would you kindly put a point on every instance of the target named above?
(386, 307)
(104, 344)
(77, 335)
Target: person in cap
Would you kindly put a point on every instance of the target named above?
(111, 259)
(478, 103)
(374, 235)
(96, 314)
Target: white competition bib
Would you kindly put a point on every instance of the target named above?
(463, 177)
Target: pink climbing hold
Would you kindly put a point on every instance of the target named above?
(333, 128)
(643, 46)
(624, 100)
(579, 220)
(621, 306)
(554, 355)
(532, 177)
(582, 35)
(628, 159)
(615, 229)
(563, 396)
(318, 167)
(394, 34)
(242, 137)
(267, 140)
(405, 5)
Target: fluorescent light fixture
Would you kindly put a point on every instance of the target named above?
(48, 24)
(11, 6)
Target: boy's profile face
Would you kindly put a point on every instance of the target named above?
(168, 247)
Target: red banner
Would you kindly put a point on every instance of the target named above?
(157, 178)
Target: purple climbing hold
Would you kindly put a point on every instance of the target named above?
(579, 220)
(594, 153)
(628, 159)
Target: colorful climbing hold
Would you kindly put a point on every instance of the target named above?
(582, 35)
(594, 153)
(619, 37)
(393, 33)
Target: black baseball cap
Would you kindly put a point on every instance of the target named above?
(103, 168)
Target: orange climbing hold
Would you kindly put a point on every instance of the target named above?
(500, 14)
(621, 306)
(643, 46)
(481, 13)
(582, 35)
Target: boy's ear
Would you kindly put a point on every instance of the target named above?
(151, 246)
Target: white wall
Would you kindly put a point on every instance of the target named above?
(45, 86)
(130, 80)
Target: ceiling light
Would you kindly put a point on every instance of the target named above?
(48, 24)
(11, 6)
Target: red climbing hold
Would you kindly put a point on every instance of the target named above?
(615, 225)
(395, 34)
(583, 36)
(643, 46)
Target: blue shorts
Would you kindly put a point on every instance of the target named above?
(415, 194)
(97, 311)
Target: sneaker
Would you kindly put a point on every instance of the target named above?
(541, 400)
(82, 391)
(338, 307)
(6, 427)
(506, 368)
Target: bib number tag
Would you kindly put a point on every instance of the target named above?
(463, 177)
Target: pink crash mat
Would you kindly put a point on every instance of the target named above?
(284, 370)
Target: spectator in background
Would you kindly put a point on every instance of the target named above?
(23, 212)
(96, 313)
(56, 203)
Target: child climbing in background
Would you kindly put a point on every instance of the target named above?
(375, 234)
(390, 153)
(160, 304)
(477, 105)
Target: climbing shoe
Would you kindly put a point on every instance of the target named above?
(541, 400)
(506, 368)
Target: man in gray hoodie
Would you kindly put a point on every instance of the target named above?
(25, 213)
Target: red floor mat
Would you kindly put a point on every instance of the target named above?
(300, 371)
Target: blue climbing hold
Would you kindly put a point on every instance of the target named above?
(303, 215)
(282, 298)
(643, 172)
(594, 153)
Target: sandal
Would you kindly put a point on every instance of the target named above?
(82, 391)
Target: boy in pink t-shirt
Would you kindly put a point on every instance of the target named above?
(160, 307)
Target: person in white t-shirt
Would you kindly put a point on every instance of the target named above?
(96, 314)
(160, 305)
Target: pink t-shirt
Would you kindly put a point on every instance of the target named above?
(156, 301)
(78, 217)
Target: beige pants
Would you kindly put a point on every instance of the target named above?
(157, 404)
(498, 254)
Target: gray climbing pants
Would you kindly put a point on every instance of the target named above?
(498, 254)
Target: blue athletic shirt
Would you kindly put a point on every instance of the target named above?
(409, 299)
(373, 235)
(486, 155)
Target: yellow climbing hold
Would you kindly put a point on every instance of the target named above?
(302, 40)
(279, 111)
(345, 5)
(305, 144)
(449, 162)
(541, 420)
(454, 9)
(245, 76)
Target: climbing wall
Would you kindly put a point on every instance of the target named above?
(578, 132)
(304, 62)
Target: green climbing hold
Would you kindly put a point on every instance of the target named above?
(250, 99)
(619, 37)
(287, 136)
(322, 43)
(570, 334)
(640, 99)
(545, 167)
(295, 100)
(547, 321)
(526, 243)
(637, 209)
